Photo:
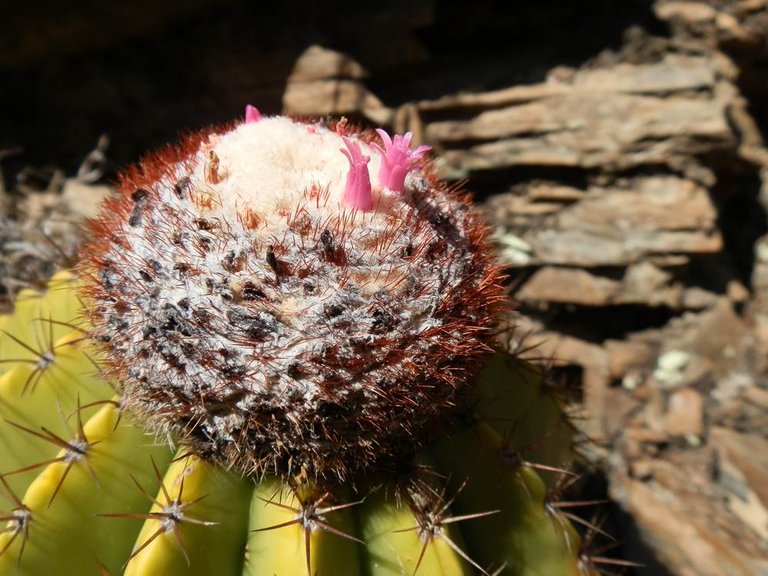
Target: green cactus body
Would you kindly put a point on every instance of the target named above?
(107, 472)
(100, 514)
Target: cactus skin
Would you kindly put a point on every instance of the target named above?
(95, 486)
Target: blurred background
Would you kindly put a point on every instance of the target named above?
(616, 146)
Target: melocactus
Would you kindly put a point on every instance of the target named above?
(292, 297)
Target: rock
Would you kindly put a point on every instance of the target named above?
(685, 414)
(319, 63)
(645, 283)
(624, 355)
(757, 397)
(326, 82)
(642, 469)
(84, 200)
(615, 227)
(692, 12)
(619, 405)
(718, 329)
(731, 386)
(619, 226)
(761, 330)
(584, 144)
(332, 97)
(549, 284)
(550, 192)
(747, 453)
(513, 250)
(739, 24)
(687, 528)
(642, 284)
(646, 435)
(697, 298)
(760, 276)
(614, 118)
(743, 471)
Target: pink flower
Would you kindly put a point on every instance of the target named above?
(358, 188)
(252, 114)
(397, 159)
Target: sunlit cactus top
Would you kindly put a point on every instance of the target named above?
(291, 297)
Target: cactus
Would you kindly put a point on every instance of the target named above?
(277, 357)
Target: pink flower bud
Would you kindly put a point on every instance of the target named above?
(397, 159)
(358, 188)
(252, 114)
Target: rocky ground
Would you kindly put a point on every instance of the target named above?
(617, 148)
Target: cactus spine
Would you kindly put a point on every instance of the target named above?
(268, 364)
